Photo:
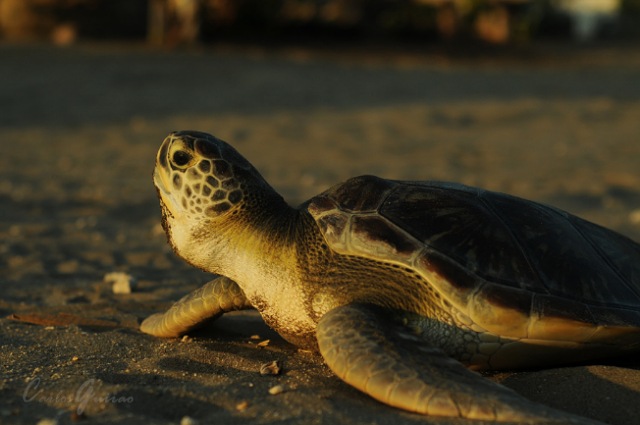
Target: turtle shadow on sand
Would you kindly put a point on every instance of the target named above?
(309, 381)
(581, 390)
(565, 388)
(215, 378)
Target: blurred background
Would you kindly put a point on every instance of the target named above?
(540, 99)
(175, 22)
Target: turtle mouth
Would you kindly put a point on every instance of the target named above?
(159, 180)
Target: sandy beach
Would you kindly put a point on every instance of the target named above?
(79, 130)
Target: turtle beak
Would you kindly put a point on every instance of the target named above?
(161, 174)
(160, 181)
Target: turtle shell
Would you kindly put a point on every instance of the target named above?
(515, 267)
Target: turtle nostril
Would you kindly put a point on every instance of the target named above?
(181, 158)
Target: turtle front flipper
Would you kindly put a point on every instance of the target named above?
(366, 348)
(208, 302)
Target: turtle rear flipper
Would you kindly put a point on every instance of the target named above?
(208, 302)
(391, 364)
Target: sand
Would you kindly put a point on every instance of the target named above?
(79, 128)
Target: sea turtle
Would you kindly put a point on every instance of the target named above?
(399, 284)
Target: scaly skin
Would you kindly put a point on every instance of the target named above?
(216, 297)
(367, 349)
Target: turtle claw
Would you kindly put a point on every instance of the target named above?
(206, 303)
(382, 358)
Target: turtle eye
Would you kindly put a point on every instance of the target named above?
(181, 158)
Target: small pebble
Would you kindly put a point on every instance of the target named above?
(264, 343)
(242, 406)
(186, 338)
(271, 368)
(122, 283)
(277, 389)
(188, 420)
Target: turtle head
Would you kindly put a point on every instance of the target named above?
(204, 185)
